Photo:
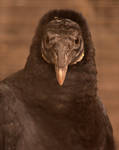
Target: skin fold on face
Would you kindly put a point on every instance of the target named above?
(62, 45)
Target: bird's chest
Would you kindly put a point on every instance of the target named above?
(55, 131)
(65, 125)
(48, 133)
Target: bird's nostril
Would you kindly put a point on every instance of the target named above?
(47, 40)
(77, 41)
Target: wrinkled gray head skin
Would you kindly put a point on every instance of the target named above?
(62, 45)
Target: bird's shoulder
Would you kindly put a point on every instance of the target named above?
(109, 140)
(10, 127)
(106, 120)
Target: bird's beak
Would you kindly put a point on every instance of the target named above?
(61, 74)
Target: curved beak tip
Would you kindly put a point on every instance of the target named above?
(61, 74)
(60, 83)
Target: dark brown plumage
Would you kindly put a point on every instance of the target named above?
(37, 113)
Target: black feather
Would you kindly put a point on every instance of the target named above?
(46, 116)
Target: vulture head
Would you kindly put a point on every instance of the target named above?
(62, 45)
(62, 40)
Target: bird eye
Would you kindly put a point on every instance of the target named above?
(77, 41)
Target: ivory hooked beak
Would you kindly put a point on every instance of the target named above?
(61, 74)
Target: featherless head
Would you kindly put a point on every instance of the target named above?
(62, 45)
(63, 39)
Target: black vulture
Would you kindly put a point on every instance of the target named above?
(52, 103)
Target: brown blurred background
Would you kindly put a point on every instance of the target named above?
(19, 18)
